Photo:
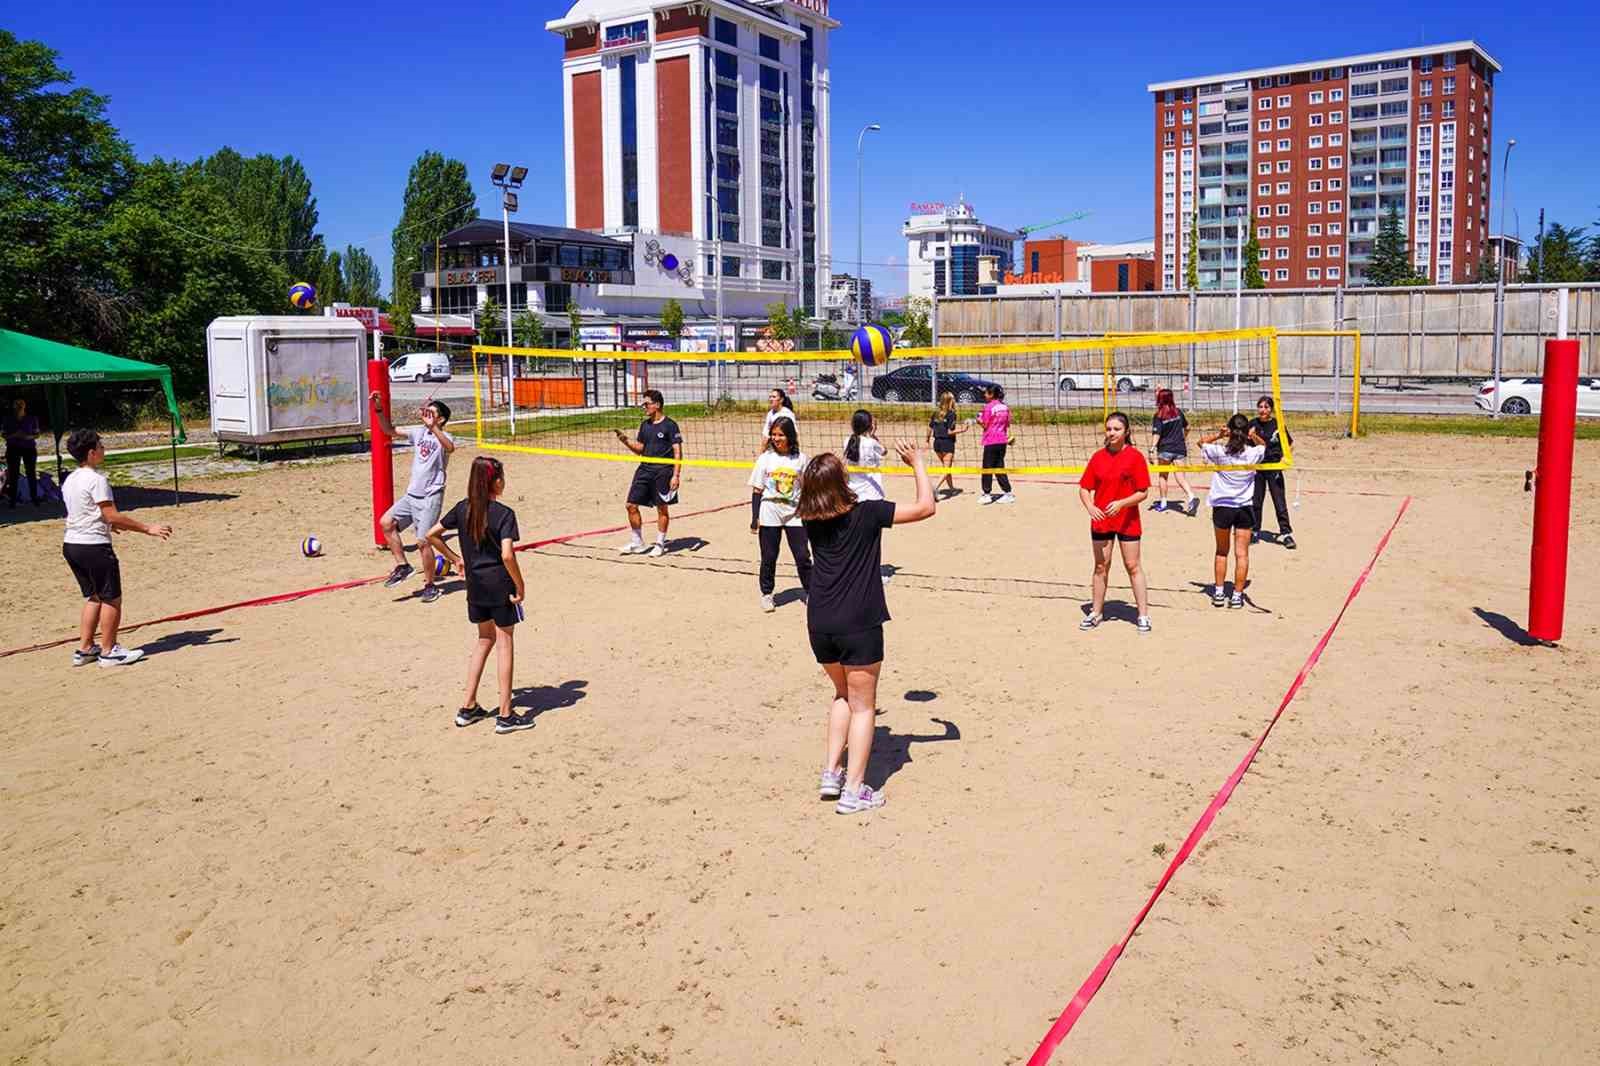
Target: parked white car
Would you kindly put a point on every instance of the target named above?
(420, 366)
(1521, 396)
(1096, 382)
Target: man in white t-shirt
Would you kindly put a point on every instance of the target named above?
(424, 498)
(92, 515)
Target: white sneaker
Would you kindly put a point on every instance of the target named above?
(84, 658)
(633, 547)
(120, 656)
(1006, 498)
(863, 799)
(657, 551)
(987, 499)
(830, 785)
(767, 604)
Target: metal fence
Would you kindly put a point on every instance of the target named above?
(1424, 333)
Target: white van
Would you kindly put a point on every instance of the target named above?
(420, 366)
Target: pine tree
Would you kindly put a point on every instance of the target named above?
(672, 319)
(1391, 259)
(438, 199)
(529, 330)
(490, 327)
(1253, 278)
(1559, 256)
(575, 324)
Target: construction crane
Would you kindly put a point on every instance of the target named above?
(1023, 231)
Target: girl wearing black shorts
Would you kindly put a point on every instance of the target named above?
(487, 535)
(1232, 515)
(847, 610)
(943, 429)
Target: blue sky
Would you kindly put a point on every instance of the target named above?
(1034, 109)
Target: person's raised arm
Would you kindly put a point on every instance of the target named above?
(508, 555)
(380, 416)
(119, 521)
(636, 447)
(437, 429)
(924, 505)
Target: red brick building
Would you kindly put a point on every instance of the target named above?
(1314, 155)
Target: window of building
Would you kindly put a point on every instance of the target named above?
(1335, 140)
(1448, 87)
(1283, 210)
(1263, 168)
(1188, 136)
(1394, 85)
(1425, 88)
(1448, 110)
(1316, 97)
(1280, 253)
(1315, 119)
(1264, 104)
(1444, 249)
(1336, 118)
(1188, 116)
(1264, 189)
(1283, 231)
(1263, 146)
(1283, 188)
(1313, 274)
(1314, 142)
(769, 47)
(1335, 95)
(1283, 79)
(1314, 252)
(1263, 232)
(1425, 64)
(1314, 186)
(1314, 207)
(1335, 184)
(1263, 211)
(1335, 206)
(1318, 75)
(1315, 163)
(1333, 273)
(1361, 89)
(1283, 101)
(725, 32)
(1335, 250)
(1188, 95)
(1424, 204)
(629, 79)
(1283, 122)
(1335, 162)
(1424, 111)
(1280, 274)
(1314, 230)
(1334, 229)
(1167, 97)
(1167, 140)
(1283, 144)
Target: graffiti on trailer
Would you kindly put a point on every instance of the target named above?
(311, 400)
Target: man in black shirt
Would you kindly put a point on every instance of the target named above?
(654, 483)
(1265, 431)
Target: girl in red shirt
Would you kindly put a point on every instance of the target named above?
(1113, 485)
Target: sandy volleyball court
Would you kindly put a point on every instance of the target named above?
(268, 843)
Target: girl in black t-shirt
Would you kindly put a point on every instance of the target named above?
(943, 429)
(487, 534)
(847, 610)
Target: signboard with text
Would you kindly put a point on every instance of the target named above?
(626, 35)
(367, 316)
(472, 276)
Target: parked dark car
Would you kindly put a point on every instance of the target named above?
(911, 383)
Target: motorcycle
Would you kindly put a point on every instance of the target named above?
(829, 387)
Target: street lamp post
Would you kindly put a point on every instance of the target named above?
(715, 220)
(861, 294)
(1238, 294)
(1500, 281)
(508, 179)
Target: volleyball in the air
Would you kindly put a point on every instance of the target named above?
(871, 345)
(311, 547)
(303, 294)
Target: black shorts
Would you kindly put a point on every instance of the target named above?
(1243, 517)
(97, 570)
(504, 615)
(1114, 535)
(944, 446)
(849, 649)
(652, 487)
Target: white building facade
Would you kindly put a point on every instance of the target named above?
(690, 122)
(943, 243)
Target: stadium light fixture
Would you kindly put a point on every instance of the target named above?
(498, 174)
(507, 177)
(518, 176)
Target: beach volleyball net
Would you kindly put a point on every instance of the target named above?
(558, 402)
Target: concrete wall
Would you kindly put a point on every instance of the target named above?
(1436, 332)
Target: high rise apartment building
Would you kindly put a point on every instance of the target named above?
(689, 121)
(1314, 155)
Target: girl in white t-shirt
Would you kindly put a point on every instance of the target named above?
(778, 406)
(1231, 495)
(775, 489)
(864, 450)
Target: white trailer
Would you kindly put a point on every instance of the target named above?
(279, 378)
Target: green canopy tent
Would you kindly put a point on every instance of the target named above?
(26, 360)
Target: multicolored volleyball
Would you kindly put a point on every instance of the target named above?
(871, 345)
(441, 566)
(303, 295)
(311, 547)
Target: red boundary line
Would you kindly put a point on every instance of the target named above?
(1086, 992)
(285, 597)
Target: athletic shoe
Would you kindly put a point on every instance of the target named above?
(1255, 536)
(1194, 506)
(863, 799)
(514, 724)
(471, 715)
(1143, 623)
(84, 658)
(1218, 597)
(1089, 622)
(986, 498)
(397, 575)
(1236, 600)
(430, 593)
(1287, 540)
(633, 547)
(1159, 505)
(767, 604)
(120, 656)
(1006, 498)
(657, 551)
(831, 784)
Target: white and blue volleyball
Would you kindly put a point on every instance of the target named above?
(871, 345)
(311, 547)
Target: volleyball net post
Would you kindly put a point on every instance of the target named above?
(382, 462)
(1552, 491)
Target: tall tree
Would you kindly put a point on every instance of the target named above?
(1253, 278)
(1558, 257)
(919, 330)
(438, 198)
(1191, 272)
(529, 330)
(1488, 268)
(272, 197)
(62, 166)
(491, 323)
(575, 324)
(672, 319)
(330, 281)
(1391, 258)
(363, 286)
(780, 322)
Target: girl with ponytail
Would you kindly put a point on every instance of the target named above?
(487, 535)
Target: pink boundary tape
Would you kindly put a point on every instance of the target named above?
(1086, 992)
(300, 594)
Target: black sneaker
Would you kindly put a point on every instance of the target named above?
(1287, 541)
(397, 575)
(430, 593)
(513, 724)
(471, 715)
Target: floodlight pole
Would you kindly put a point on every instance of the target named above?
(506, 179)
(861, 298)
(1238, 295)
(1500, 282)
